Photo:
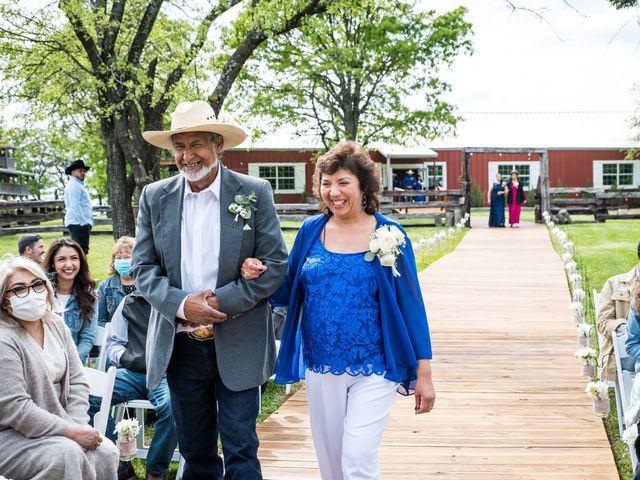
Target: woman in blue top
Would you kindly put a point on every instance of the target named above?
(66, 265)
(114, 288)
(355, 329)
(496, 211)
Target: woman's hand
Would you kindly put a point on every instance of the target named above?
(85, 436)
(252, 268)
(425, 393)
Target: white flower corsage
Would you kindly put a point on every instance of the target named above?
(242, 206)
(597, 390)
(385, 244)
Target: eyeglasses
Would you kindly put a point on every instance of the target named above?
(21, 291)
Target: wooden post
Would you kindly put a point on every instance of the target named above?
(466, 186)
(545, 200)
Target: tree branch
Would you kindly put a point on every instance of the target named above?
(143, 32)
(112, 30)
(83, 35)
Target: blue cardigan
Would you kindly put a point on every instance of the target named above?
(405, 332)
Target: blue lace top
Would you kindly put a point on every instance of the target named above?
(341, 329)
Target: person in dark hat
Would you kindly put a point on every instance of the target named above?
(77, 203)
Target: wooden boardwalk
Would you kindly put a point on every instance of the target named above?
(510, 402)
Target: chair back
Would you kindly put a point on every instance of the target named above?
(102, 334)
(101, 385)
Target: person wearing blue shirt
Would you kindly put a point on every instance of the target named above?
(78, 216)
(349, 331)
(66, 265)
(113, 289)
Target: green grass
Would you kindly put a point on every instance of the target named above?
(603, 250)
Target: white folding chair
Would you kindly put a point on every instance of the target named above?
(101, 385)
(102, 333)
(624, 385)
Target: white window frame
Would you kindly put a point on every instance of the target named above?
(598, 173)
(300, 175)
(534, 172)
(419, 168)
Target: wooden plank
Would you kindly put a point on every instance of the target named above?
(510, 400)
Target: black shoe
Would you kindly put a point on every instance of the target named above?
(126, 471)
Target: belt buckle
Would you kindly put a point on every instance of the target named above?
(202, 334)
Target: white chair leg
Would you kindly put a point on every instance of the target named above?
(619, 408)
(180, 468)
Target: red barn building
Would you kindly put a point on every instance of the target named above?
(290, 171)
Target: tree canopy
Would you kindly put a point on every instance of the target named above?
(120, 65)
(369, 72)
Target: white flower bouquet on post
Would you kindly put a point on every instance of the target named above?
(127, 431)
(589, 357)
(577, 312)
(385, 244)
(584, 332)
(599, 393)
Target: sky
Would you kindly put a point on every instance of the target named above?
(582, 68)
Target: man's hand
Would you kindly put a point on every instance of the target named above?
(198, 311)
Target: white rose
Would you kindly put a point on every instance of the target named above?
(374, 245)
(388, 260)
(387, 242)
(397, 233)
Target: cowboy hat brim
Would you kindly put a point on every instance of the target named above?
(232, 135)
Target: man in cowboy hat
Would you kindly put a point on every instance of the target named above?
(209, 330)
(78, 216)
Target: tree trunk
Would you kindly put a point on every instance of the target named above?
(119, 193)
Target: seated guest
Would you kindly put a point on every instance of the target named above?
(43, 392)
(31, 246)
(125, 349)
(113, 288)
(632, 345)
(615, 299)
(66, 265)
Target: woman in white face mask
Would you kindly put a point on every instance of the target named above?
(119, 283)
(44, 429)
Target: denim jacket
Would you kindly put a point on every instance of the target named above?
(632, 344)
(110, 294)
(83, 333)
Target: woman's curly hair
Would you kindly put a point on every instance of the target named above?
(352, 157)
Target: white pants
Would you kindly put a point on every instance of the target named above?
(348, 417)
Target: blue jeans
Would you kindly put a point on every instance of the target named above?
(131, 386)
(196, 386)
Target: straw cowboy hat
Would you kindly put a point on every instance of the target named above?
(195, 116)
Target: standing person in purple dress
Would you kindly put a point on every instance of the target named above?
(515, 199)
(356, 325)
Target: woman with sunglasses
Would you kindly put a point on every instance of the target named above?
(44, 429)
(66, 265)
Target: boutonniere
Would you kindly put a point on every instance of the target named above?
(242, 206)
(385, 244)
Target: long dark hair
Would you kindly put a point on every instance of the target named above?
(84, 286)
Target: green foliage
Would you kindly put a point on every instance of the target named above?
(620, 4)
(368, 71)
(478, 197)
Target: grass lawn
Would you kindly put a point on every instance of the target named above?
(601, 251)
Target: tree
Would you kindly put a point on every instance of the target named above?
(121, 64)
(620, 4)
(364, 73)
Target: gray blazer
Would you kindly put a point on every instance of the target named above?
(245, 344)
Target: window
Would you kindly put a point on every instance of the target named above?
(524, 173)
(284, 178)
(612, 173)
(438, 176)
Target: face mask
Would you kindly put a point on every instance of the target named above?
(30, 308)
(122, 266)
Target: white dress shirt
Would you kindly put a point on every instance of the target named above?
(200, 241)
